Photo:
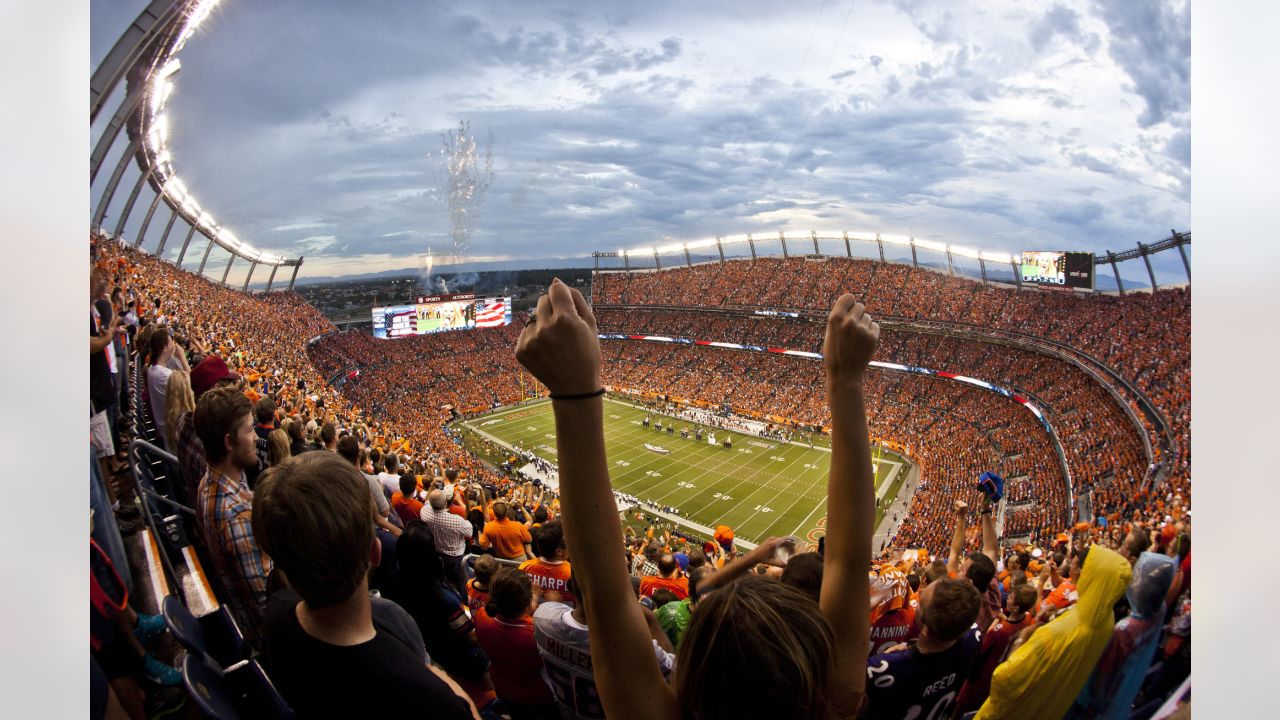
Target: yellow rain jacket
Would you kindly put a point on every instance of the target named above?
(1043, 677)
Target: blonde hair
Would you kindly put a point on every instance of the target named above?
(277, 447)
(179, 400)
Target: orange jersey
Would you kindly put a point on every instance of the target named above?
(652, 583)
(552, 577)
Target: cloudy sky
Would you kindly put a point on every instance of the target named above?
(315, 127)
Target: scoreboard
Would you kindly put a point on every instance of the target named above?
(1058, 269)
(441, 313)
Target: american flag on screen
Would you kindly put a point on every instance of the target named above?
(493, 313)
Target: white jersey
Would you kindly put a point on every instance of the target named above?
(566, 660)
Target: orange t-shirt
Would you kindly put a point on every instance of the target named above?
(408, 509)
(651, 583)
(552, 577)
(507, 537)
(1063, 595)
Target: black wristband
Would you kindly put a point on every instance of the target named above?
(580, 396)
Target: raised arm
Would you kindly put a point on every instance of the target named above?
(957, 537)
(739, 566)
(559, 347)
(851, 339)
(990, 541)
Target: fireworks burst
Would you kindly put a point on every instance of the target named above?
(469, 175)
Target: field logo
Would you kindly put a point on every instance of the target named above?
(657, 448)
(817, 532)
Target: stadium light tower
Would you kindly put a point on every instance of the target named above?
(145, 57)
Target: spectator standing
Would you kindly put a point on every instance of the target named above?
(504, 629)
(923, 678)
(509, 539)
(550, 570)
(1043, 676)
(224, 503)
(332, 649)
(450, 533)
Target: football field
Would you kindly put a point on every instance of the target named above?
(761, 487)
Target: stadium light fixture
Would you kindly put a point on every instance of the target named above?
(965, 252)
(996, 257)
(701, 244)
(895, 239)
(931, 245)
(169, 68)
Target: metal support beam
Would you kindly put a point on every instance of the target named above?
(687, 261)
(848, 249)
(230, 261)
(128, 205)
(656, 262)
(295, 272)
(182, 255)
(165, 237)
(112, 131)
(626, 261)
(1111, 257)
(205, 259)
(814, 233)
(1017, 276)
(1185, 263)
(752, 243)
(142, 231)
(144, 30)
(880, 245)
(1146, 258)
(249, 277)
(982, 266)
(272, 279)
(720, 247)
(595, 259)
(914, 261)
(783, 238)
(951, 269)
(110, 190)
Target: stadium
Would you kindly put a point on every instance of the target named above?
(1027, 428)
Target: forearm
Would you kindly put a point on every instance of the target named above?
(957, 546)
(98, 342)
(990, 542)
(845, 597)
(619, 635)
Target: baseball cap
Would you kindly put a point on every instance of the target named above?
(209, 372)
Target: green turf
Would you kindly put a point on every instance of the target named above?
(760, 487)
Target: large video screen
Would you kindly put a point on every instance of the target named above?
(440, 313)
(1058, 269)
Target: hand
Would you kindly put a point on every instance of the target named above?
(961, 508)
(559, 345)
(767, 551)
(852, 338)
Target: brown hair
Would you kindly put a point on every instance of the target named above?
(755, 633)
(216, 414)
(510, 592)
(951, 609)
(313, 515)
(485, 567)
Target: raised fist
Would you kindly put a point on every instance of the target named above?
(852, 338)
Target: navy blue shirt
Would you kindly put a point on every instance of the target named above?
(909, 684)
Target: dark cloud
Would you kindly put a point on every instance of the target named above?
(1151, 41)
(312, 127)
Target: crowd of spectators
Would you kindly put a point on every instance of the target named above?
(307, 467)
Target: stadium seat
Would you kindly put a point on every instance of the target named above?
(215, 635)
(245, 692)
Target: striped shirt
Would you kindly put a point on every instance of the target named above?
(225, 507)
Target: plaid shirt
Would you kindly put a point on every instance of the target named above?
(225, 506)
(450, 531)
(190, 452)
